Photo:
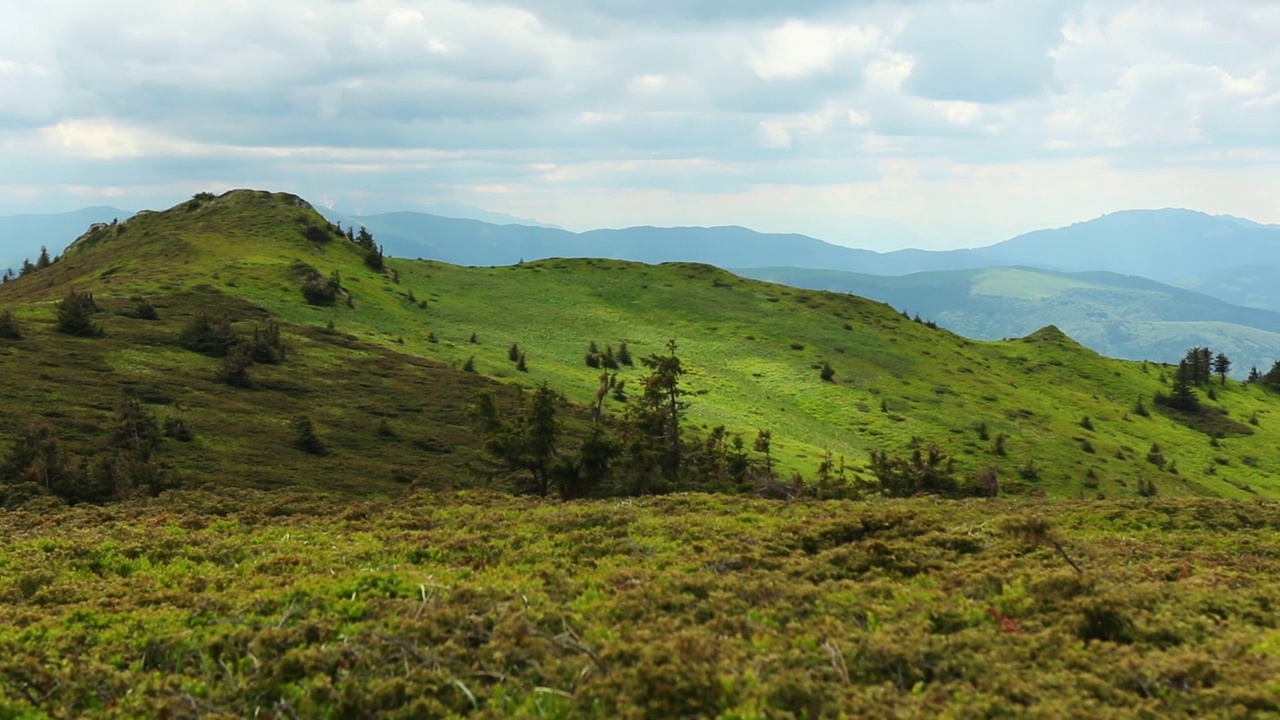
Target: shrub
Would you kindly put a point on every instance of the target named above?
(136, 430)
(1029, 471)
(209, 335)
(305, 438)
(1140, 408)
(997, 447)
(317, 234)
(983, 433)
(931, 472)
(235, 367)
(513, 354)
(1155, 455)
(828, 373)
(1147, 488)
(175, 428)
(143, 309)
(474, 340)
(266, 347)
(319, 290)
(1086, 423)
(469, 365)
(9, 328)
(521, 365)
(75, 314)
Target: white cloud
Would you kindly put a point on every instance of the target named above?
(961, 118)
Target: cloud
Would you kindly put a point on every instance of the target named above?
(935, 114)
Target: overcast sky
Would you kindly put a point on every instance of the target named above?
(958, 123)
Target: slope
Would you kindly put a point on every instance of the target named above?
(752, 350)
(1119, 316)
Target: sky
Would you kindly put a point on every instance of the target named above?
(927, 123)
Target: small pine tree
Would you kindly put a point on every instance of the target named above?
(209, 335)
(828, 373)
(136, 430)
(474, 340)
(983, 433)
(1222, 366)
(43, 261)
(469, 365)
(513, 354)
(997, 447)
(305, 438)
(235, 367)
(1086, 423)
(266, 347)
(624, 355)
(75, 314)
(9, 327)
(143, 309)
(521, 365)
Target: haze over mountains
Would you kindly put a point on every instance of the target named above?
(1208, 279)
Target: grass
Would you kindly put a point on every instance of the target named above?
(287, 604)
(754, 353)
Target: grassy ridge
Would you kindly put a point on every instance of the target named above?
(753, 348)
(478, 605)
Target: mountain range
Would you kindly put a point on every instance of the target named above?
(1210, 278)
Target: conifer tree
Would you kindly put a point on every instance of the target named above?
(1222, 366)
(75, 314)
(43, 261)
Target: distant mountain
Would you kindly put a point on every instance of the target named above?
(1116, 315)
(467, 212)
(1164, 245)
(22, 235)
(470, 242)
(1248, 285)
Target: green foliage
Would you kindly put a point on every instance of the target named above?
(828, 373)
(513, 354)
(624, 355)
(305, 438)
(41, 461)
(469, 365)
(234, 370)
(266, 347)
(75, 314)
(931, 472)
(312, 606)
(525, 443)
(9, 327)
(320, 290)
(521, 364)
(209, 334)
(143, 309)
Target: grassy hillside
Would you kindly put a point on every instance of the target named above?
(753, 351)
(291, 605)
(1116, 315)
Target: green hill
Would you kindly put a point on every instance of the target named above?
(753, 351)
(1117, 315)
